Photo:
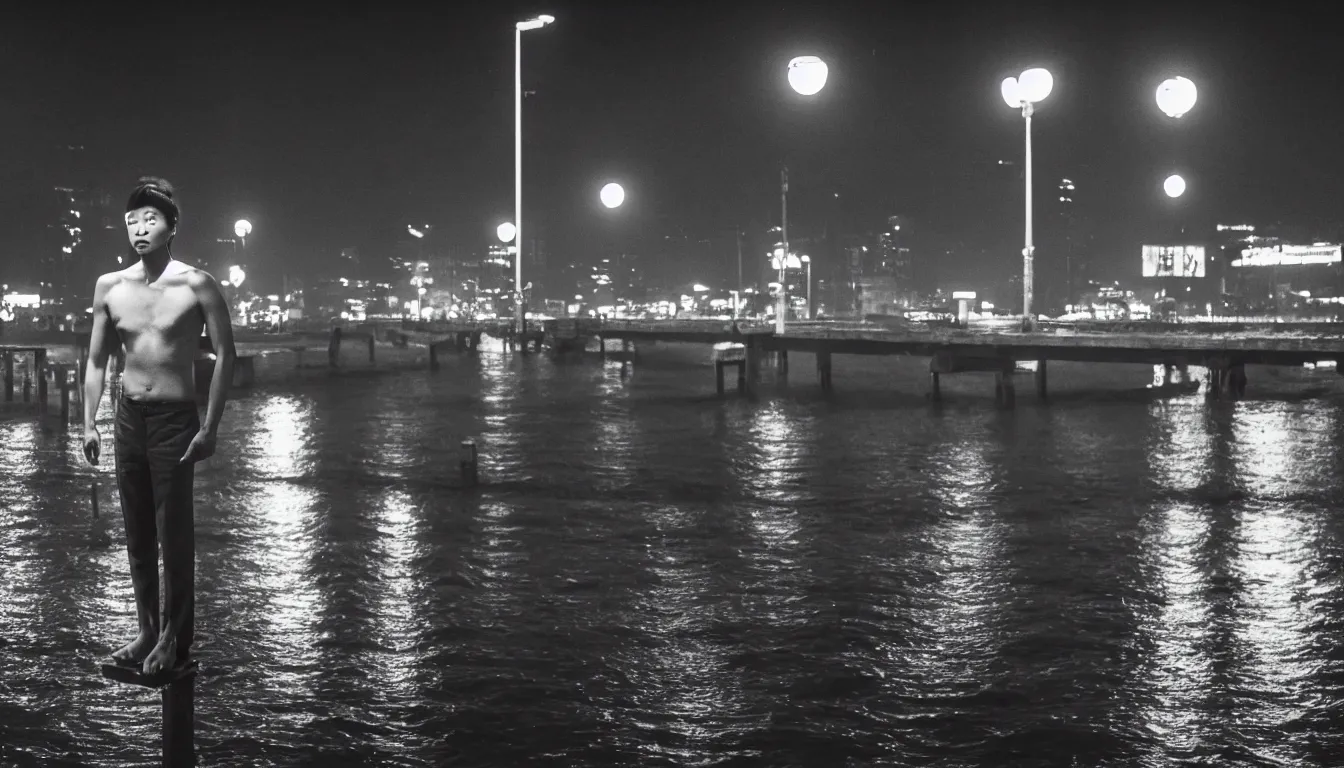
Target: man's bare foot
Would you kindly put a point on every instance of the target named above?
(163, 657)
(134, 652)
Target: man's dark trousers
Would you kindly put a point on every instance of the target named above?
(156, 502)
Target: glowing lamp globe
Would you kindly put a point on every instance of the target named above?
(1176, 96)
(1011, 93)
(242, 228)
(506, 232)
(237, 276)
(612, 195)
(1035, 84)
(1174, 186)
(807, 75)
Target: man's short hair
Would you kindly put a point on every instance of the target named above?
(155, 192)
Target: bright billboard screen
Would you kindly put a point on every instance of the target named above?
(1288, 255)
(1173, 261)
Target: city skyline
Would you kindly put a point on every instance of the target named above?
(355, 134)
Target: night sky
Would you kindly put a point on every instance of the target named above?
(337, 128)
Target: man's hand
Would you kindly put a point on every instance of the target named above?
(93, 445)
(202, 447)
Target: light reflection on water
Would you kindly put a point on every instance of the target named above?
(653, 576)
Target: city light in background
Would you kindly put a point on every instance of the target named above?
(822, 265)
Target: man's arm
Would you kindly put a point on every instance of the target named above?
(100, 347)
(218, 325)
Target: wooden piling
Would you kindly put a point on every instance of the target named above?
(782, 363)
(1005, 391)
(9, 377)
(467, 464)
(433, 356)
(742, 377)
(64, 384)
(1042, 391)
(935, 389)
(824, 369)
(334, 348)
(718, 376)
(40, 372)
(178, 688)
(753, 363)
(372, 344)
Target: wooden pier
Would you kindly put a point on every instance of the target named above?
(745, 345)
(957, 351)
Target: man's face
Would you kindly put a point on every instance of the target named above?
(148, 230)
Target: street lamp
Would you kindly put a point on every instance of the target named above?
(520, 311)
(242, 228)
(807, 263)
(807, 76)
(1025, 92)
(612, 195)
(1176, 96)
(1174, 186)
(506, 232)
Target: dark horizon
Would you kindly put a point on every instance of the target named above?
(332, 132)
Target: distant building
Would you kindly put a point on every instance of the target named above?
(85, 234)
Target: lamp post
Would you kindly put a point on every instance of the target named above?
(1174, 186)
(807, 265)
(612, 195)
(807, 76)
(1025, 92)
(1176, 96)
(520, 312)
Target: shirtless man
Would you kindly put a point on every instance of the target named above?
(157, 308)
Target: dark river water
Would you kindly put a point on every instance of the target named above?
(651, 576)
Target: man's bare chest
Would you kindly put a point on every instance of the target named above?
(150, 308)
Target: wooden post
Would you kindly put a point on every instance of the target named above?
(179, 707)
(27, 387)
(1005, 393)
(1041, 389)
(1237, 380)
(753, 363)
(782, 363)
(433, 356)
(718, 376)
(467, 464)
(601, 348)
(83, 367)
(936, 391)
(372, 360)
(824, 369)
(334, 348)
(64, 384)
(9, 377)
(742, 377)
(40, 372)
